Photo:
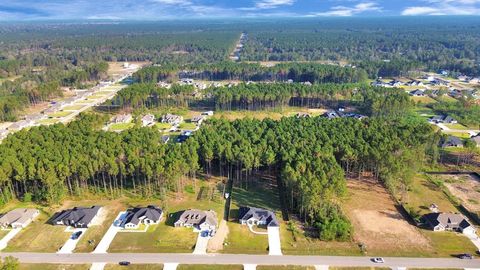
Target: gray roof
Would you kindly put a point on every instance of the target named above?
(19, 215)
(452, 141)
(447, 220)
(247, 212)
(77, 216)
(476, 139)
(196, 217)
(136, 214)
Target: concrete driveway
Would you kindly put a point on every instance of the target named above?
(70, 245)
(201, 246)
(4, 241)
(474, 239)
(108, 237)
(274, 246)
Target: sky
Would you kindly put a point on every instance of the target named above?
(24, 10)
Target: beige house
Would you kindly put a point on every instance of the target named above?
(18, 218)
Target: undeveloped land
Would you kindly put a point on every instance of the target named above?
(466, 187)
(377, 223)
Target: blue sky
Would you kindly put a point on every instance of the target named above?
(13, 10)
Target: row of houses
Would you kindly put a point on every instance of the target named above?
(339, 113)
(453, 141)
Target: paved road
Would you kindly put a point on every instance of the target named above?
(156, 258)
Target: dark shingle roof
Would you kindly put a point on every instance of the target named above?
(247, 212)
(134, 215)
(77, 215)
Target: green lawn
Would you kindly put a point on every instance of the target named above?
(284, 267)
(424, 100)
(209, 267)
(72, 108)
(120, 126)
(423, 193)
(39, 236)
(187, 126)
(163, 126)
(464, 135)
(447, 244)
(31, 266)
(48, 121)
(240, 239)
(164, 237)
(457, 126)
(59, 114)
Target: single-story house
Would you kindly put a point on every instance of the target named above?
(172, 119)
(476, 139)
(198, 119)
(123, 118)
(452, 141)
(256, 216)
(417, 93)
(303, 115)
(78, 217)
(148, 120)
(198, 219)
(146, 215)
(18, 218)
(448, 222)
(331, 114)
(446, 119)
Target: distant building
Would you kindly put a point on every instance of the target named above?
(172, 119)
(148, 120)
(449, 222)
(476, 139)
(207, 113)
(142, 215)
(452, 141)
(417, 93)
(445, 119)
(78, 217)
(257, 216)
(123, 118)
(198, 219)
(18, 218)
(198, 120)
(303, 115)
(331, 114)
(414, 83)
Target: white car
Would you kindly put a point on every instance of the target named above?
(378, 260)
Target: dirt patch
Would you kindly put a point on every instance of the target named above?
(376, 221)
(466, 188)
(216, 243)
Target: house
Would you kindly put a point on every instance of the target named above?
(455, 93)
(476, 139)
(207, 113)
(138, 215)
(417, 93)
(331, 114)
(474, 81)
(414, 83)
(256, 216)
(148, 120)
(449, 120)
(448, 222)
(165, 139)
(18, 218)
(395, 83)
(198, 119)
(303, 115)
(379, 83)
(172, 119)
(78, 217)
(452, 141)
(164, 85)
(444, 72)
(442, 119)
(198, 219)
(123, 118)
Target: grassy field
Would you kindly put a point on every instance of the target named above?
(240, 239)
(456, 126)
(31, 266)
(187, 126)
(39, 236)
(60, 114)
(424, 99)
(48, 121)
(120, 126)
(464, 135)
(72, 108)
(209, 267)
(423, 193)
(284, 267)
(163, 126)
(164, 237)
(273, 114)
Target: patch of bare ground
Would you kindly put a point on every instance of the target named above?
(377, 223)
(466, 188)
(216, 243)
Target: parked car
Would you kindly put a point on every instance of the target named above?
(204, 234)
(76, 235)
(124, 263)
(378, 260)
(465, 256)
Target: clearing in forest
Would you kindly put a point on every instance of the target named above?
(466, 187)
(377, 223)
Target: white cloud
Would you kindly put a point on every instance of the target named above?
(444, 7)
(350, 11)
(266, 4)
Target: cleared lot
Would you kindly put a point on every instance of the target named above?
(466, 187)
(377, 223)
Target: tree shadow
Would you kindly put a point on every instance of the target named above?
(173, 217)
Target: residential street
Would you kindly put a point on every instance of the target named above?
(153, 258)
